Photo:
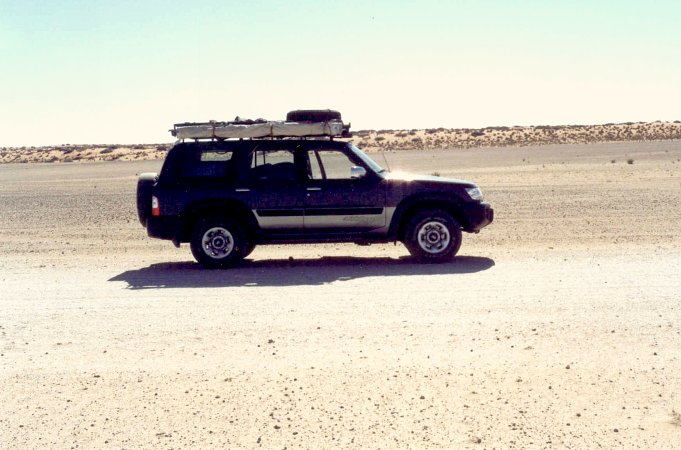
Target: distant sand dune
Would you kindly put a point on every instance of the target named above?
(82, 153)
(386, 140)
(444, 138)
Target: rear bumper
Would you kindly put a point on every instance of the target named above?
(164, 227)
(479, 216)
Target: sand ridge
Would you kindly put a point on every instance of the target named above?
(385, 140)
(516, 136)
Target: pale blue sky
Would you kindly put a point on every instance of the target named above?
(124, 71)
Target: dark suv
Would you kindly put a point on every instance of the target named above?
(225, 197)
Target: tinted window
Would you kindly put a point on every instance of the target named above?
(272, 164)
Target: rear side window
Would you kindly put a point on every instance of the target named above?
(210, 164)
(272, 165)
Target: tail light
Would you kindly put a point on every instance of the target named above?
(155, 207)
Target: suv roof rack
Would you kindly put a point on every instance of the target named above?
(299, 124)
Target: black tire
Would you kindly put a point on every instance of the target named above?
(432, 235)
(313, 115)
(218, 242)
(145, 187)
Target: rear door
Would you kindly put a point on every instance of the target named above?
(334, 200)
(272, 186)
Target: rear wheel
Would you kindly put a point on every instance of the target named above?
(433, 236)
(218, 242)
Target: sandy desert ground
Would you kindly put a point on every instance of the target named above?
(559, 326)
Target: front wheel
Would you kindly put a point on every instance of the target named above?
(433, 236)
(218, 242)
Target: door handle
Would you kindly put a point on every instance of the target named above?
(242, 190)
(314, 189)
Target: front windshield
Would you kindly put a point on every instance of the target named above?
(368, 161)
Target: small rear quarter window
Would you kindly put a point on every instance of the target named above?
(213, 164)
(216, 155)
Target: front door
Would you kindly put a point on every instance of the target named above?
(334, 200)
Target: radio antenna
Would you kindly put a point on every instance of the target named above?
(386, 161)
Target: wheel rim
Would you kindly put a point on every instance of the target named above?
(433, 237)
(217, 242)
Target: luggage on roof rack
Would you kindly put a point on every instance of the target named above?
(300, 123)
(313, 115)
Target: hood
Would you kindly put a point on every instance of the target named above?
(405, 176)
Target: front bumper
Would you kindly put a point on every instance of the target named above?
(479, 215)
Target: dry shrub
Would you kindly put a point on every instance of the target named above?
(676, 418)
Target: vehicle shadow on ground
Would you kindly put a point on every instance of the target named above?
(298, 272)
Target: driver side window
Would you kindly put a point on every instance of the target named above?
(329, 165)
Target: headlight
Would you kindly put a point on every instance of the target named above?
(474, 193)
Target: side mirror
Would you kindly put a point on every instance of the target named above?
(357, 172)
